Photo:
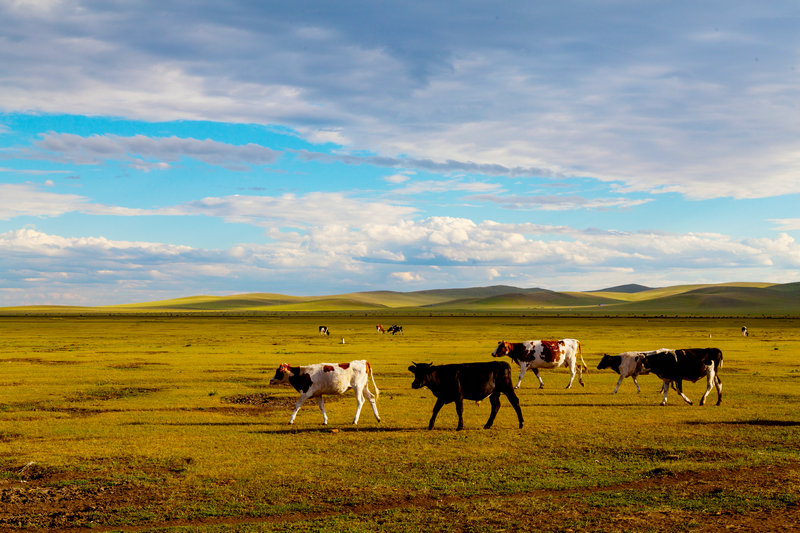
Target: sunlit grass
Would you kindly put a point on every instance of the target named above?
(145, 405)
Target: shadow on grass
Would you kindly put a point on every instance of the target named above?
(371, 429)
(764, 423)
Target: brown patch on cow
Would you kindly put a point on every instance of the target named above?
(344, 366)
(551, 351)
(327, 368)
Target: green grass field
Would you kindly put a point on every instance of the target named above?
(155, 423)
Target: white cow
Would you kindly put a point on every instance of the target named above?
(627, 365)
(534, 355)
(313, 381)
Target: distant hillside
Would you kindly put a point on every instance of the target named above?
(745, 299)
(627, 289)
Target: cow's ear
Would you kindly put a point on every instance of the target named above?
(413, 367)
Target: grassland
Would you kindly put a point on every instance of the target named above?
(147, 422)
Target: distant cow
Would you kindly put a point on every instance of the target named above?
(323, 330)
(627, 365)
(534, 355)
(395, 329)
(313, 381)
(467, 381)
(691, 364)
(744, 331)
(380, 329)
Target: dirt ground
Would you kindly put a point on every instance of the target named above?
(38, 499)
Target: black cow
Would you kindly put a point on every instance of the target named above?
(674, 366)
(467, 381)
(395, 329)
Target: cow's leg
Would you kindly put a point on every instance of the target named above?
(460, 411)
(718, 384)
(512, 398)
(523, 366)
(572, 376)
(665, 389)
(679, 388)
(321, 404)
(619, 382)
(371, 400)
(710, 381)
(494, 399)
(436, 408)
(300, 401)
(541, 383)
(635, 383)
(359, 402)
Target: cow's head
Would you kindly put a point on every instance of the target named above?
(281, 375)
(503, 348)
(422, 372)
(605, 362)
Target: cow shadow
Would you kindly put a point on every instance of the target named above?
(334, 430)
(755, 422)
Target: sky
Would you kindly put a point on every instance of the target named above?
(159, 149)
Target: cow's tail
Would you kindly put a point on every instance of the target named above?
(583, 363)
(369, 371)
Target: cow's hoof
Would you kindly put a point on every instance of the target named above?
(663, 403)
(542, 386)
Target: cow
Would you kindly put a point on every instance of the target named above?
(744, 331)
(466, 381)
(627, 365)
(323, 330)
(380, 329)
(395, 329)
(534, 355)
(675, 366)
(313, 381)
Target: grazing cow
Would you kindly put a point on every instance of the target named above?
(323, 330)
(691, 364)
(380, 329)
(627, 365)
(744, 331)
(534, 355)
(466, 381)
(313, 381)
(395, 329)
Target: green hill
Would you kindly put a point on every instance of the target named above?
(745, 299)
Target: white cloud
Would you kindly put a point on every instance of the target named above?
(452, 252)
(676, 106)
(148, 153)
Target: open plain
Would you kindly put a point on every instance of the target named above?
(149, 422)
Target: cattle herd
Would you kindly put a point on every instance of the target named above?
(454, 383)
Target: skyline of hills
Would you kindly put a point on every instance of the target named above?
(743, 298)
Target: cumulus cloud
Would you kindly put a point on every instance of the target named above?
(444, 251)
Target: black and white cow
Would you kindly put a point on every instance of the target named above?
(744, 331)
(534, 355)
(323, 330)
(395, 329)
(313, 381)
(466, 381)
(691, 364)
(627, 365)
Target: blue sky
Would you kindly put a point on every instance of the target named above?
(151, 150)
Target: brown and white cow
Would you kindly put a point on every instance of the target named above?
(691, 364)
(380, 329)
(627, 365)
(313, 381)
(538, 354)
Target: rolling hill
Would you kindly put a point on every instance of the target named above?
(731, 299)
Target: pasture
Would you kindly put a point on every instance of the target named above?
(155, 423)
